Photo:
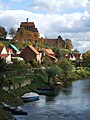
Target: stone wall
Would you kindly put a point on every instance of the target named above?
(17, 85)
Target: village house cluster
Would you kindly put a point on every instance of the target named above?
(30, 52)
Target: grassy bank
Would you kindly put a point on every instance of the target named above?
(8, 98)
(80, 73)
(39, 80)
(12, 97)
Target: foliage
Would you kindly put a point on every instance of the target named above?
(2, 71)
(9, 98)
(47, 61)
(86, 58)
(25, 37)
(69, 45)
(3, 32)
(6, 43)
(33, 63)
(76, 51)
(12, 32)
(67, 68)
(5, 115)
(53, 71)
(18, 64)
(66, 51)
(58, 52)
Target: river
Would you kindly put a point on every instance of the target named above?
(70, 103)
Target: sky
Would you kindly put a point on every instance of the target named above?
(67, 18)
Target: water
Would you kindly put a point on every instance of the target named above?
(71, 103)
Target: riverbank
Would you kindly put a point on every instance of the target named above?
(72, 103)
(80, 73)
(11, 97)
(8, 98)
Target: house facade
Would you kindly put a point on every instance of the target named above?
(30, 53)
(73, 56)
(49, 53)
(6, 57)
(4, 54)
(56, 42)
(3, 50)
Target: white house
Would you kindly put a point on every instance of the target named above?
(3, 50)
(4, 54)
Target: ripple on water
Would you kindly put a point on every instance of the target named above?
(73, 105)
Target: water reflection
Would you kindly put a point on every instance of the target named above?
(70, 102)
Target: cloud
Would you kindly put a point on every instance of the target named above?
(75, 26)
(81, 40)
(58, 5)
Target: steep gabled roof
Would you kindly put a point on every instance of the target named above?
(53, 57)
(34, 50)
(49, 51)
(14, 47)
(23, 24)
(4, 55)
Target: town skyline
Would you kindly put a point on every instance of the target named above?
(68, 19)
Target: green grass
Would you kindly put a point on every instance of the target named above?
(6, 43)
(20, 78)
(37, 82)
(9, 98)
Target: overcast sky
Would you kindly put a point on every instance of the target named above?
(68, 18)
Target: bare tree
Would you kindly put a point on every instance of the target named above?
(12, 32)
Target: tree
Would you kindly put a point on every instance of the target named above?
(3, 33)
(86, 58)
(2, 71)
(52, 72)
(25, 37)
(58, 53)
(67, 68)
(12, 32)
(20, 35)
(76, 51)
(69, 45)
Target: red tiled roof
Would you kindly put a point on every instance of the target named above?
(23, 24)
(49, 51)
(4, 55)
(76, 55)
(34, 50)
(53, 57)
(41, 49)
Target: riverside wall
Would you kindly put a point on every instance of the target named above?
(17, 85)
